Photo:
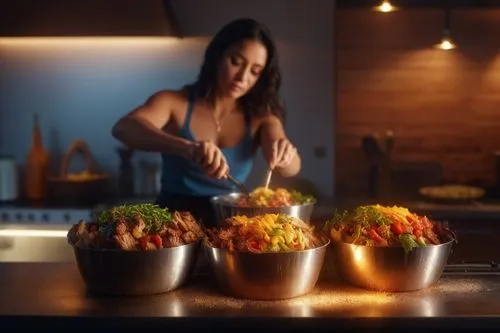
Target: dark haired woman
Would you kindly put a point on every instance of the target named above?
(215, 125)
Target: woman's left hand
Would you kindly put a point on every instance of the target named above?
(283, 153)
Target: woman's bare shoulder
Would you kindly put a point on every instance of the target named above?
(169, 96)
(261, 121)
(267, 118)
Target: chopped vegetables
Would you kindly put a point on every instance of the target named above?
(264, 233)
(266, 197)
(376, 225)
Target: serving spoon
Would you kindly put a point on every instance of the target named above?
(268, 177)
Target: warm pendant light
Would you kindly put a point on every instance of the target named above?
(446, 41)
(385, 7)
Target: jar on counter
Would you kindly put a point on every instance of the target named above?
(8, 179)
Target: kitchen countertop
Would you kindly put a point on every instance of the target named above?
(50, 295)
(476, 209)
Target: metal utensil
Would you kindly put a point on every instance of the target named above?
(240, 185)
(133, 273)
(225, 206)
(268, 177)
(266, 276)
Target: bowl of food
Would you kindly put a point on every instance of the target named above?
(136, 249)
(389, 248)
(266, 257)
(263, 201)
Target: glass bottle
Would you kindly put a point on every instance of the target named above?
(36, 165)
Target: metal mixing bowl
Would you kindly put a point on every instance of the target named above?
(266, 276)
(132, 273)
(390, 268)
(224, 207)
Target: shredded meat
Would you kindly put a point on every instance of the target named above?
(76, 231)
(125, 241)
(189, 237)
(120, 227)
(172, 241)
(150, 246)
(172, 232)
(132, 234)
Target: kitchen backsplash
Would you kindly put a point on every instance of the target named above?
(79, 92)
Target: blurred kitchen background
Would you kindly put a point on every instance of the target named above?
(439, 107)
(375, 108)
(80, 86)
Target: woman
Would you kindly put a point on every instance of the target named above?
(214, 127)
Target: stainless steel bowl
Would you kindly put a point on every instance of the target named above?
(133, 273)
(266, 276)
(224, 207)
(390, 268)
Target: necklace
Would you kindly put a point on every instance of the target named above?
(218, 122)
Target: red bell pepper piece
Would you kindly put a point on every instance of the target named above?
(143, 242)
(397, 228)
(157, 241)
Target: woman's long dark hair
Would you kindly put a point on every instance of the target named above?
(264, 96)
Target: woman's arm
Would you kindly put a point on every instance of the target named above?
(142, 128)
(277, 149)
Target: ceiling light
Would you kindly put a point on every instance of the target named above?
(446, 41)
(385, 7)
(446, 44)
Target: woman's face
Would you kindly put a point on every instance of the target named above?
(240, 68)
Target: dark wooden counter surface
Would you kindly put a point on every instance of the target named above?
(52, 296)
(482, 210)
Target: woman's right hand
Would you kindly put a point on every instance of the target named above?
(211, 159)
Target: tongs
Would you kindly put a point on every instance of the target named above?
(240, 185)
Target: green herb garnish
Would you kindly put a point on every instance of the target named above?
(153, 216)
(337, 218)
(300, 198)
(370, 215)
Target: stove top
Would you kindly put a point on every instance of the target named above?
(473, 268)
(43, 215)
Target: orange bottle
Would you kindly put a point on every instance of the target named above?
(36, 165)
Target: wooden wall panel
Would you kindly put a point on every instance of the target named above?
(442, 106)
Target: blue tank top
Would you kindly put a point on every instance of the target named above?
(184, 177)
